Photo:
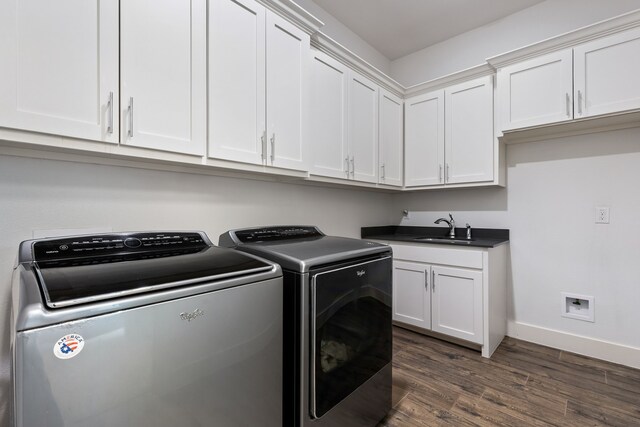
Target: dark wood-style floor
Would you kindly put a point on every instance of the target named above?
(523, 384)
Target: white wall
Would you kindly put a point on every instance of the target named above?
(49, 195)
(541, 21)
(343, 35)
(552, 190)
(549, 205)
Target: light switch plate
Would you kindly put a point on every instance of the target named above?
(602, 215)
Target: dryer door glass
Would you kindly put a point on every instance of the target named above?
(351, 330)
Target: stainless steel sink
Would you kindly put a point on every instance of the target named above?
(444, 240)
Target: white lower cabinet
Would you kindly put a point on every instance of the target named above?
(411, 294)
(456, 305)
(454, 292)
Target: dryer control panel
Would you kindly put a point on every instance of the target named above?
(269, 234)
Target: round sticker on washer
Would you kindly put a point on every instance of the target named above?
(68, 346)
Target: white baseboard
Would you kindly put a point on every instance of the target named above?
(599, 349)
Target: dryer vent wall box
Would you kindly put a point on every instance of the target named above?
(578, 307)
(132, 329)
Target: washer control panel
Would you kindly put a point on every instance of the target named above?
(114, 243)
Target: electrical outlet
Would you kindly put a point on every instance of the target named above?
(602, 215)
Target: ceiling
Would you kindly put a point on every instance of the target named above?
(399, 27)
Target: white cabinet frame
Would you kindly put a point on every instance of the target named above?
(60, 64)
(412, 294)
(163, 75)
(328, 132)
(606, 75)
(478, 274)
(390, 139)
(537, 91)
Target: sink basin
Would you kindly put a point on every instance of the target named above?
(444, 240)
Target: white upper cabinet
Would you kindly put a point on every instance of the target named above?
(390, 142)
(449, 136)
(363, 128)
(237, 81)
(287, 97)
(356, 126)
(328, 120)
(424, 139)
(591, 79)
(469, 137)
(163, 74)
(59, 70)
(607, 74)
(257, 86)
(535, 92)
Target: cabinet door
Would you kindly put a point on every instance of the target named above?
(328, 118)
(237, 79)
(469, 136)
(363, 128)
(424, 140)
(163, 72)
(59, 70)
(390, 139)
(457, 303)
(536, 92)
(411, 294)
(606, 75)
(287, 61)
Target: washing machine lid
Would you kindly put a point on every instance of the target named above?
(299, 248)
(78, 270)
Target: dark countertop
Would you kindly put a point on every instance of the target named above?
(480, 237)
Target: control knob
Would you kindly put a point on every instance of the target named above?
(132, 242)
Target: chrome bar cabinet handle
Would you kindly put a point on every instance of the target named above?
(110, 113)
(580, 102)
(273, 147)
(130, 117)
(433, 280)
(568, 101)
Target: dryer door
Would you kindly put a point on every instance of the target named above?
(350, 331)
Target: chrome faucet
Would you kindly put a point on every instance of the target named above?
(452, 225)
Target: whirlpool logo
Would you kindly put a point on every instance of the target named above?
(361, 273)
(191, 316)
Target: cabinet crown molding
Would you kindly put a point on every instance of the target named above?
(326, 44)
(567, 40)
(471, 73)
(294, 13)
